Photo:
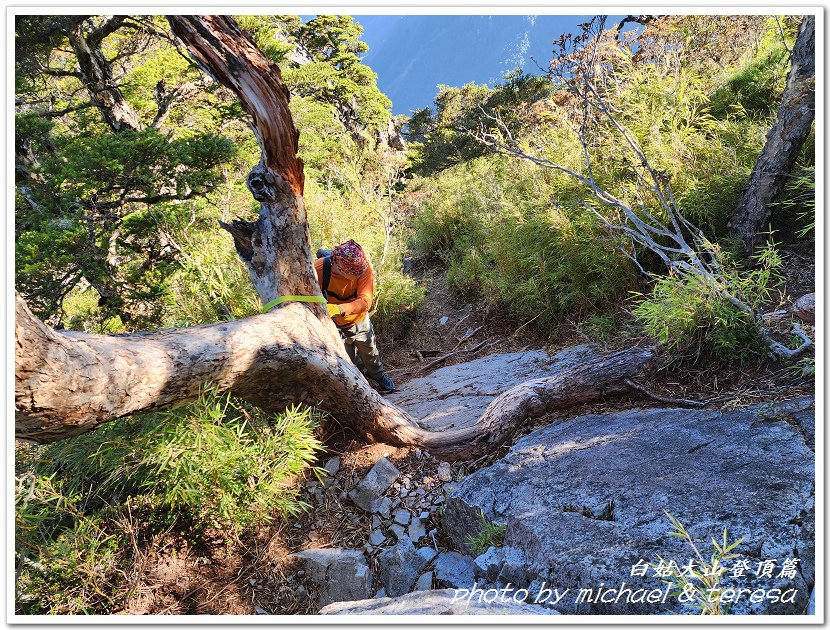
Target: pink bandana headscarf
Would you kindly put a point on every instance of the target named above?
(350, 258)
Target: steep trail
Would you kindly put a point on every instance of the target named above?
(448, 322)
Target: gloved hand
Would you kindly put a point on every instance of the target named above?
(333, 309)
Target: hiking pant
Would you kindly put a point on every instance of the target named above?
(362, 349)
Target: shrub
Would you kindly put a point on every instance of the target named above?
(398, 298)
(81, 312)
(212, 285)
(690, 318)
(799, 200)
(67, 562)
(516, 237)
(755, 87)
(214, 463)
(600, 327)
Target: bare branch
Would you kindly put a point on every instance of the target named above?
(166, 98)
(56, 113)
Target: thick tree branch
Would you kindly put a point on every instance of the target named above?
(108, 27)
(225, 52)
(69, 383)
(96, 75)
(57, 113)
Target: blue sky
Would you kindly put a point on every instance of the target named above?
(413, 54)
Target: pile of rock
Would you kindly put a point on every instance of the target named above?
(401, 539)
(400, 508)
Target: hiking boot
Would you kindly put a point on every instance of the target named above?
(385, 384)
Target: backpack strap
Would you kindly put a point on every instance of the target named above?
(326, 275)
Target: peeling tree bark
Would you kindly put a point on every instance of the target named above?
(276, 248)
(67, 383)
(784, 141)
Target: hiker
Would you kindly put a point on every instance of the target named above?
(347, 280)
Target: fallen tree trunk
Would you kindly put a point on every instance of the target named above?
(68, 383)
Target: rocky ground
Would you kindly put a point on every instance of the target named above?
(579, 502)
(575, 501)
(572, 502)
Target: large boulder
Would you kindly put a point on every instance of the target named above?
(456, 396)
(341, 574)
(438, 602)
(585, 500)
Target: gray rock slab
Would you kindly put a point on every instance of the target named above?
(341, 574)
(455, 396)
(399, 567)
(487, 565)
(800, 414)
(444, 472)
(584, 500)
(402, 516)
(435, 602)
(454, 570)
(502, 564)
(369, 491)
(382, 507)
(332, 466)
(376, 537)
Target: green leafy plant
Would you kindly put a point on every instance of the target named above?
(492, 223)
(84, 504)
(690, 316)
(700, 586)
(217, 460)
(491, 535)
(599, 327)
(805, 368)
(398, 300)
(800, 198)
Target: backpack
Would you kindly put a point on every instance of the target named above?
(327, 279)
(326, 275)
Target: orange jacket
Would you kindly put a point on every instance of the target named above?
(355, 295)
